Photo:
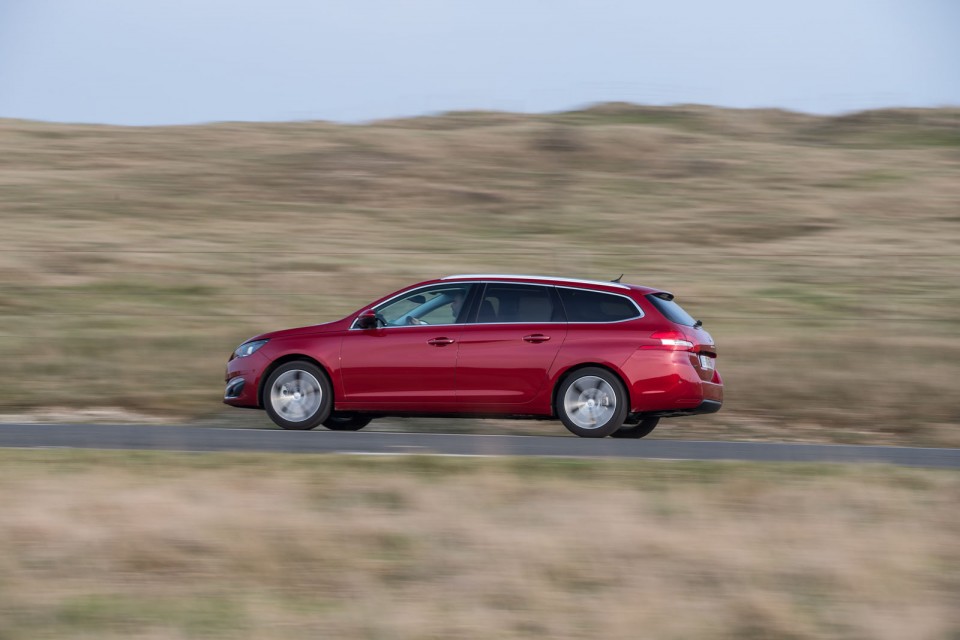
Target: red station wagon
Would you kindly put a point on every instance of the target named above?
(607, 359)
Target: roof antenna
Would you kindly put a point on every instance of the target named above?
(617, 279)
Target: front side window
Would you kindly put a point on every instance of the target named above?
(438, 304)
(508, 303)
(582, 305)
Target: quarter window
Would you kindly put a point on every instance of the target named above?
(595, 306)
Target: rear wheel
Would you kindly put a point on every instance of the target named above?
(592, 402)
(643, 428)
(298, 396)
(346, 422)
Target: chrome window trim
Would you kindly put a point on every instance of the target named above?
(493, 324)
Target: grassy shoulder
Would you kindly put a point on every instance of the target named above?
(819, 251)
(159, 545)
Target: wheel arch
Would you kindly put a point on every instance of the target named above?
(284, 359)
(566, 373)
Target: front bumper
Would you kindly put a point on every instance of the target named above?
(243, 379)
(234, 388)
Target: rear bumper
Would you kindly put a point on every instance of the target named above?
(665, 383)
(707, 406)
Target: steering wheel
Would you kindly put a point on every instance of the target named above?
(380, 318)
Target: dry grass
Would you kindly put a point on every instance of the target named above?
(820, 252)
(111, 545)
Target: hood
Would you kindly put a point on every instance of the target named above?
(326, 327)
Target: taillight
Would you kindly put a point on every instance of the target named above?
(670, 340)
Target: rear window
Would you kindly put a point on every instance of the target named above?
(596, 306)
(671, 310)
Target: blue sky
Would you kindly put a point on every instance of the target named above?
(185, 61)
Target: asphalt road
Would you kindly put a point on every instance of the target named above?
(184, 438)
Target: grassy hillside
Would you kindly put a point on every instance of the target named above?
(820, 252)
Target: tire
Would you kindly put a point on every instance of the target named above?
(346, 422)
(592, 402)
(298, 396)
(638, 430)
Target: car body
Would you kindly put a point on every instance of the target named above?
(604, 357)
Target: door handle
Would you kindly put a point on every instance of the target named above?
(536, 338)
(441, 342)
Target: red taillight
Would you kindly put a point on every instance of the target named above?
(670, 340)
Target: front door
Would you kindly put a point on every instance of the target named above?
(408, 363)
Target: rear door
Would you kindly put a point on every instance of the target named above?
(508, 348)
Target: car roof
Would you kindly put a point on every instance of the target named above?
(617, 287)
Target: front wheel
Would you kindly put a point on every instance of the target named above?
(298, 396)
(592, 402)
(643, 428)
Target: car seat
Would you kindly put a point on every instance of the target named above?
(486, 314)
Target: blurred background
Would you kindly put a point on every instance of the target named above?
(809, 216)
(820, 251)
(178, 176)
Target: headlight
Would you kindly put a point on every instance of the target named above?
(248, 348)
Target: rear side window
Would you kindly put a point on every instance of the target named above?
(517, 303)
(671, 310)
(596, 306)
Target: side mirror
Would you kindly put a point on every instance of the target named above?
(368, 320)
